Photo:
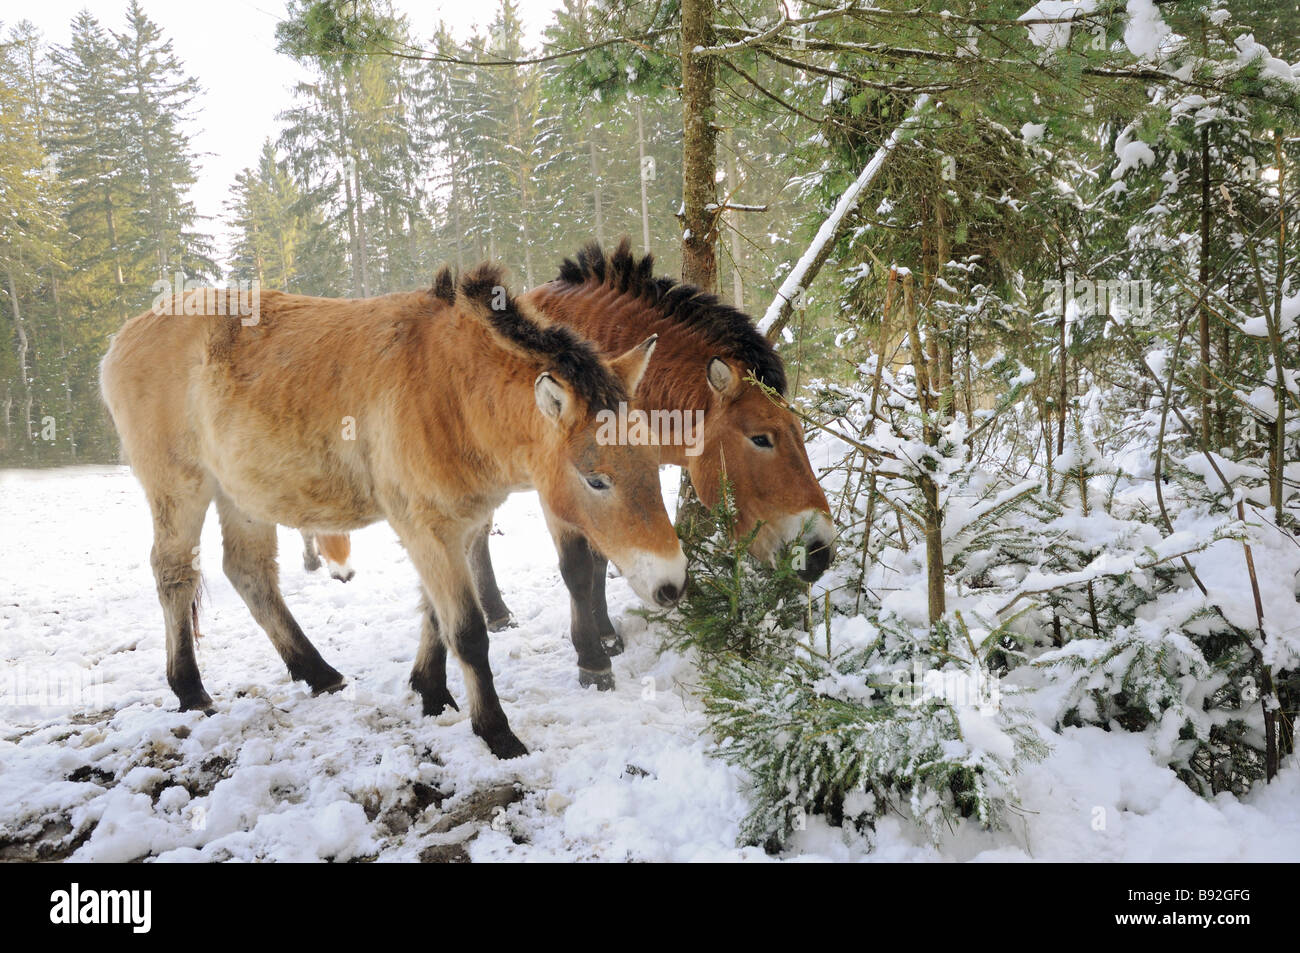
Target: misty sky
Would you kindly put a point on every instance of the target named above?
(230, 47)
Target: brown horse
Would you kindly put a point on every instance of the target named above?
(426, 409)
(706, 350)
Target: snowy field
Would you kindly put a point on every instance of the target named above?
(278, 775)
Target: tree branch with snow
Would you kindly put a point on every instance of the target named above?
(806, 268)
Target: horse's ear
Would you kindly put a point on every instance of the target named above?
(721, 377)
(553, 399)
(631, 365)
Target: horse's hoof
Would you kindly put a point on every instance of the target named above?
(501, 622)
(327, 685)
(505, 745)
(311, 565)
(613, 643)
(603, 680)
(201, 703)
(434, 705)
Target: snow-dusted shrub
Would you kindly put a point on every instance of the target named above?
(911, 722)
(1142, 649)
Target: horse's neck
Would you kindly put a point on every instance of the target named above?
(616, 322)
(497, 404)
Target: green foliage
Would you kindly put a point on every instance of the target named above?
(282, 240)
(341, 30)
(847, 735)
(864, 732)
(732, 604)
(95, 168)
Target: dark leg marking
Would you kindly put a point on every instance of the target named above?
(470, 643)
(429, 676)
(485, 581)
(577, 564)
(609, 637)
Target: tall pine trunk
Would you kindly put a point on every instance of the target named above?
(644, 175)
(699, 147)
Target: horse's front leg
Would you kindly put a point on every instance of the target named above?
(444, 571)
(577, 563)
(609, 637)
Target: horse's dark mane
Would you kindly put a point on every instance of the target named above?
(444, 285)
(728, 329)
(555, 346)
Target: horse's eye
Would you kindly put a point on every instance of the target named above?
(598, 482)
(762, 440)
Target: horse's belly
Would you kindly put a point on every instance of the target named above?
(286, 474)
(315, 503)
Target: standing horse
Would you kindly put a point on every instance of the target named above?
(426, 409)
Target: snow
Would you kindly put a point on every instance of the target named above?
(1054, 36)
(1290, 311)
(1248, 51)
(1131, 153)
(276, 774)
(1146, 29)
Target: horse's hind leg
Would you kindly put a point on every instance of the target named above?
(336, 548)
(310, 559)
(429, 676)
(177, 523)
(249, 549)
(485, 580)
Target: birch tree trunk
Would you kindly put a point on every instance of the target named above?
(22, 347)
(805, 270)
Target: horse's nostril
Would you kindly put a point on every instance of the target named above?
(667, 595)
(818, 560)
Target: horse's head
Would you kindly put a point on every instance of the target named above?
(760, 445)
(607, 489)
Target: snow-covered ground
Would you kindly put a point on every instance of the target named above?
(118, 774)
